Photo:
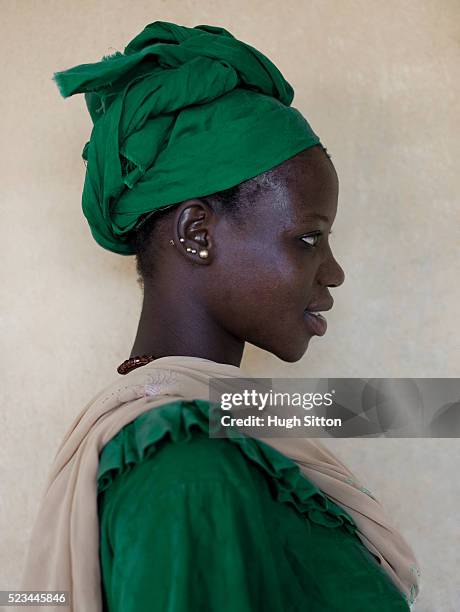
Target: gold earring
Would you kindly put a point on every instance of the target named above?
(203, 253)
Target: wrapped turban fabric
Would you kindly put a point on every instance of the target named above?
(181, 113)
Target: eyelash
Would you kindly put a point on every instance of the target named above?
(315, 235)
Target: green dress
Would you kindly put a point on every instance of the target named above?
(191, 523)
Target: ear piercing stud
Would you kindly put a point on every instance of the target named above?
(203, 253)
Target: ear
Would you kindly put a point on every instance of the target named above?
(194, 225)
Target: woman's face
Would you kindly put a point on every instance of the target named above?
(280, 264)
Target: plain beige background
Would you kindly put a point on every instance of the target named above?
(379, 82)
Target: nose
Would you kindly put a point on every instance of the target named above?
(330, 273)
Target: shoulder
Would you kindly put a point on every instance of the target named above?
(198, 458)
(167, 452)
(170, 447)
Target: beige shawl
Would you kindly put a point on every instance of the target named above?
(64, 548)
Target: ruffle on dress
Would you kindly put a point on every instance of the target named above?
(178, 421)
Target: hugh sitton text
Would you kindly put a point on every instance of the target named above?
(276, 421)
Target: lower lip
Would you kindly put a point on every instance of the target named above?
(316, 325)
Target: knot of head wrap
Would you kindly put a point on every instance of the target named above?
(181, 113)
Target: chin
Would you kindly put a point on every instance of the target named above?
(291, 353)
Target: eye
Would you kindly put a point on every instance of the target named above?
(312, 240)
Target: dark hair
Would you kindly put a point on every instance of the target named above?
(233, 202)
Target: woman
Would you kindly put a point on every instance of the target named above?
(198, 165)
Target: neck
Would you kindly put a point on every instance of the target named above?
(177, 326)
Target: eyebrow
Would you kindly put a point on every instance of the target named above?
(317, 216)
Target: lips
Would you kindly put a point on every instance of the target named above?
(320, 306)
(316, 323)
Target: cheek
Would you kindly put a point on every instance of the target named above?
(270, 284)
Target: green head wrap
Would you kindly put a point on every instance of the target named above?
(181, 113)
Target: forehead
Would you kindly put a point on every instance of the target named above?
(304, 185)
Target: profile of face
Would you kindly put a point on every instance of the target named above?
(263, 275)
